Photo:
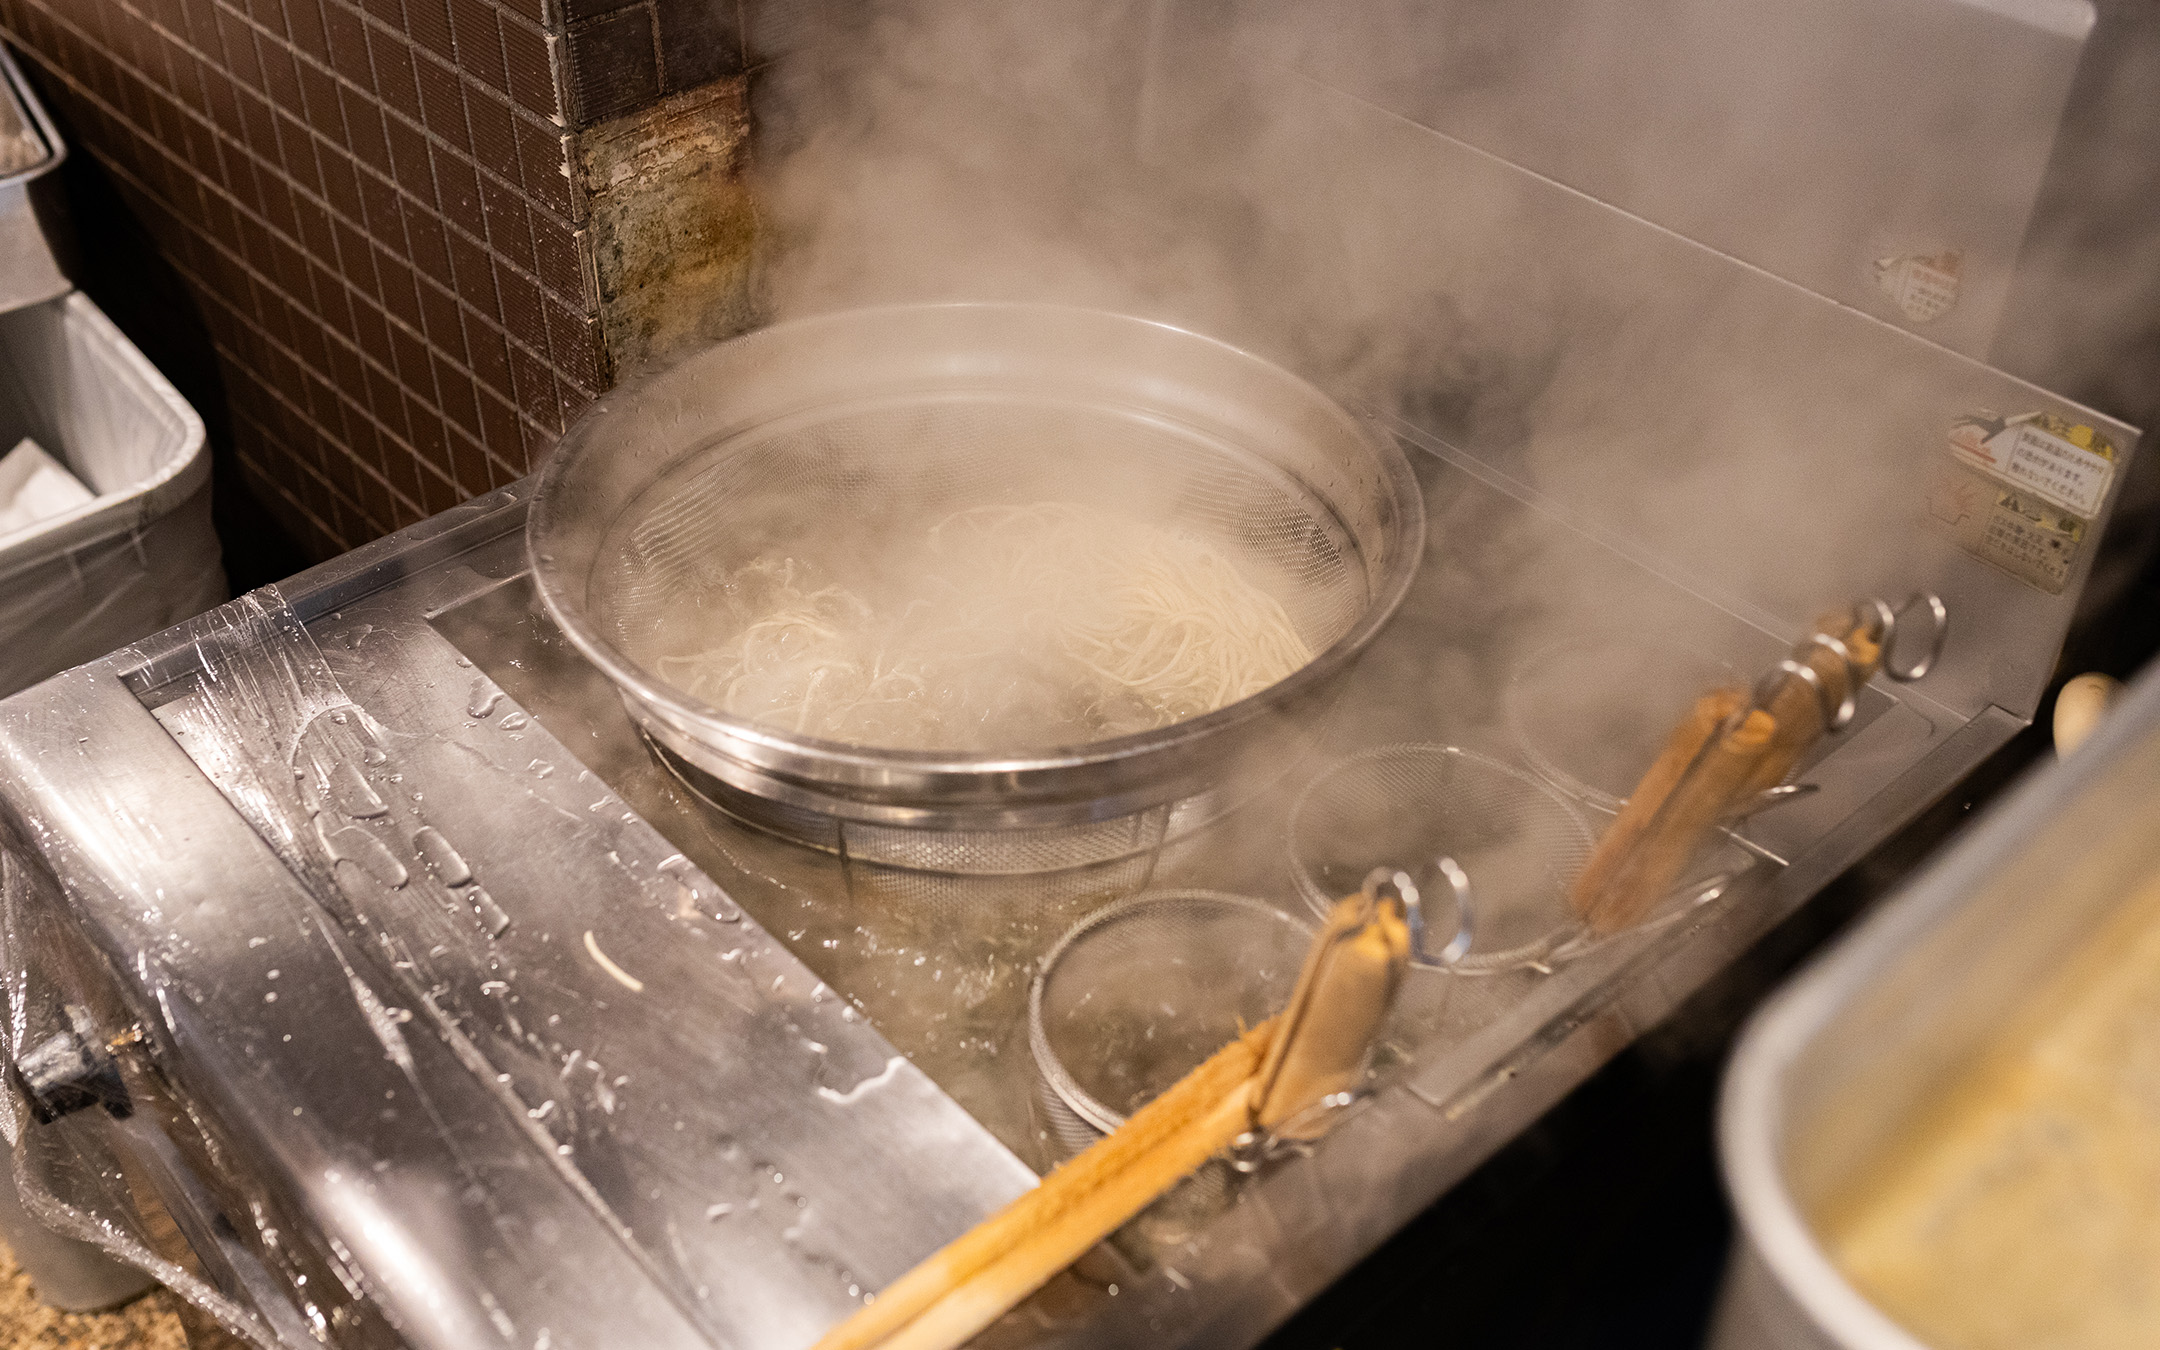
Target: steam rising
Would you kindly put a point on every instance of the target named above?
(1248, 170)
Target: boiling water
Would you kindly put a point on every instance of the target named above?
(1126, 1053)
(996, 628)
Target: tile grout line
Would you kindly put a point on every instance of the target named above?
(362, 516)
(336, 536)
(433, 138)
(242, 209)
(240, 260)
(359, 406)
(402, 442)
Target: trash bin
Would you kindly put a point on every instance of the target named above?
(140, 555)
(136, 552)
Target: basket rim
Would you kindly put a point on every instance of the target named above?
(1047, 1064)
(813, 759)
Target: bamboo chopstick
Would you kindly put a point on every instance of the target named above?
(1586, 895)
(1715, 760)
(1342, 995)
(1643, 876)
(1268, 1076)
(1798, 708)
(1111, 1181)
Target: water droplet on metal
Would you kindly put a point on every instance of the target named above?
(445, 862)
(349, 789)
(513, 721)
(541, 767)
(491, 914)
(484, 698)
(362, 849)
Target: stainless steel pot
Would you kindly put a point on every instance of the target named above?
(977, 402)
(1866, 1039)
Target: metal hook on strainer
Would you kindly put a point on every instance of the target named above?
(1512, 840)
(1938, 615)
(1384, 881)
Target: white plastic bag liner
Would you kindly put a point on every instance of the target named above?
(34, 486)
(138, 557)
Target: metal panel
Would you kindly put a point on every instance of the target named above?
(1826, 141)
(1754, 444)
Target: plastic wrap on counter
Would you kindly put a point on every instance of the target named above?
(66, 1173)
(499, 1110)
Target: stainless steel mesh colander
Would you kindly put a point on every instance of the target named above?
(1519, 841)
(829, 438)
(1138, 994)
(866, 478)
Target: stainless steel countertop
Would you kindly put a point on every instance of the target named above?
(447, 1125)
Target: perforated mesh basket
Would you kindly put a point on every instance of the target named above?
(1590, 716)
(1138, 995)
(873, 479)
(1519, 841)
(835, 439)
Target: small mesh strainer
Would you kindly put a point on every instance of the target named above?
(1139, 994)
(1519, 842)
(833, 440)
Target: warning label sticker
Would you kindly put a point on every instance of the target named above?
(2032, 540)
(1925, 288)
(2026, 452)
(2021, 492)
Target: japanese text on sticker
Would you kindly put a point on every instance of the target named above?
(2058, 470)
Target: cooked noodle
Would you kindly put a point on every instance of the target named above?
(1025, 626)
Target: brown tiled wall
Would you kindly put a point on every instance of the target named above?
(371, 206)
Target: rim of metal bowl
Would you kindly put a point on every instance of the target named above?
(1082, 1102)
(860, 764)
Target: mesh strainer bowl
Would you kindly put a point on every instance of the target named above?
(1519, 842)
(1135, 996)
(825, 431)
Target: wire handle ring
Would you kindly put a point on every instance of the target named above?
(1836, 712)
(1847, 709)
(1382, 881)
(1938, 615)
